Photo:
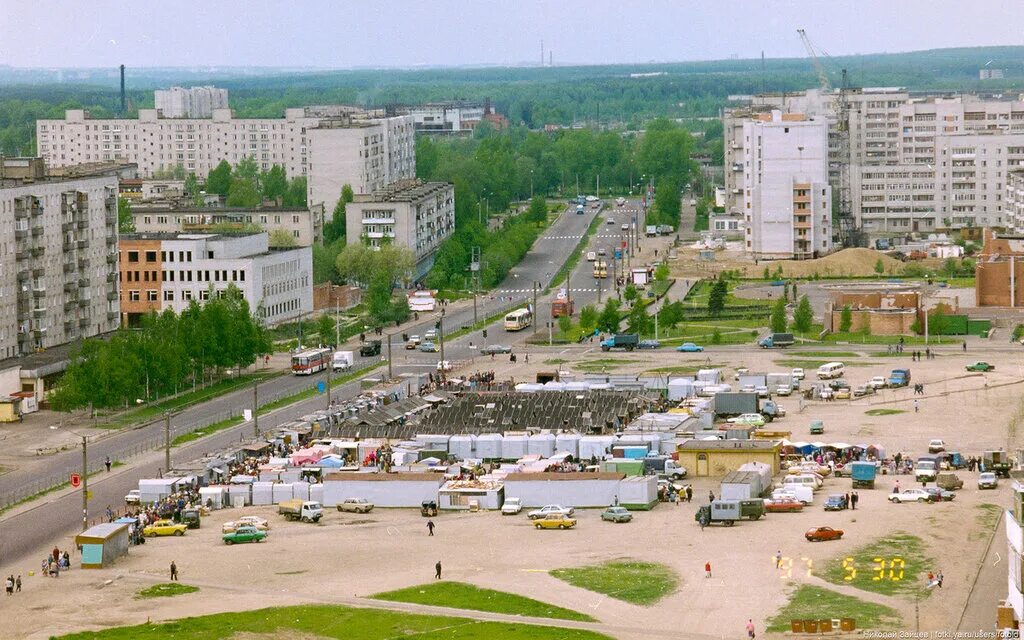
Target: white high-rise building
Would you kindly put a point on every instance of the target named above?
(787, 201)
(195, 102)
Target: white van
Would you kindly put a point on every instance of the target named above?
(799, 492)
(831, 370)
(803, 480)
(342, 361)
(591, 256)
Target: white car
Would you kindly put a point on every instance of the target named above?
(798, 373)
(609, 220)
(133, 497)
(740, 372)
(762, 390)
(693, 202)
(246, 521)
(430, 335)
(748, 388)
(749, 419)
(784, 390)
(625, 226)
(987, 480)
(512, 506)
(444, 365)
(548, 509)
(936, 446)
(620, 201)
(878, 382)
(910, 495)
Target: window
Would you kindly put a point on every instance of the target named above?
(151, 295)
(186, 294)
(133, 256)
(204, 294)
(133, 296)
(151, 256)
(168, 296)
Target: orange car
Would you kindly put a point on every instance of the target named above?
(783, 505)
(819, 534)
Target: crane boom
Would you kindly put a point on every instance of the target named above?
(813, 55)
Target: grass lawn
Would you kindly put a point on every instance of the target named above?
(883, 412)
(327, 621)
(987, 518)
(824, 354)
(685, 370)
(864, 338)
(814, 364)
(467, 596)
(904, 560)
(814, 603)
(604, 364)
(166, 589)
(642, 583)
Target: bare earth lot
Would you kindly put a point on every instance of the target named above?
(350, 556)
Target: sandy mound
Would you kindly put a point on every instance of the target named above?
(848, 262)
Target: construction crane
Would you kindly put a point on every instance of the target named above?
(839, 157)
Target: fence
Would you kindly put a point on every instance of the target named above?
(157, 441)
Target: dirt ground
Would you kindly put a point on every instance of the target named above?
(350, 556)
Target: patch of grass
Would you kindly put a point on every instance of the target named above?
(862, 338)
(683, 369)
(987, 518)
(166, 590)
(905, 564)
(883, 412)
(466, 596)
(605, 364)
(824, 354)
(815, 603)
(574, 256)
(642, 583)
(553, 361)
(327, 621)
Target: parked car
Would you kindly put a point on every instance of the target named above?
(625, 226)
(980, 366)
(620, 201)
(842, 393)
(609, 221)
(648, 344)
(817, 427)
(825, 393)
(784, 390)
(783, 505)
(246, 521)
(987, 480)
(512, 506)
(602, 252)
(911, 495)
(940, 495)
(749, 419)
(495, 348)
(244, 534)
(430, 335)
(617, 514)
(689, 347)
(936, 446)
(555, 521)
(444, 365)
(164, 528)
(820, 534)
(799, 374)
(878, 382)
(355, 505)
(949, 481)
(550, 509)
(863, 390)
(836, 502)
(133, 497)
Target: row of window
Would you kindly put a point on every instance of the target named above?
(201, 275)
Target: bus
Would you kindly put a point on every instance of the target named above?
(518, 320)
(311, 361)
(422, 300)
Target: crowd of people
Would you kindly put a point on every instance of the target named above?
(55, 562)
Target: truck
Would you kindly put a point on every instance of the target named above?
(731, 404)
(628, 466)
(728, 512)
(997, 462)
(665, 467)
(371, 348)
(863, 474)
(627, 341)
(651, 230)
(776, 380)
(776, 341)
(562, 305)
(949, 481)
(899, 378)
(342, 361)
(665, 230)
(600, 269)
(926, 469)
(299, 509)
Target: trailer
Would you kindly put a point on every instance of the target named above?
(741, 485)
(728, 405)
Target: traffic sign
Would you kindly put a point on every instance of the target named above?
(76, 480)
(321, 387)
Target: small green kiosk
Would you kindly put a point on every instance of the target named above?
(103, 544)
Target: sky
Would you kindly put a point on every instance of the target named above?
(406, 33)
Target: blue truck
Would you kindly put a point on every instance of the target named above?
(627, 341)
(863, 474)
(899, 378)
(776, 341)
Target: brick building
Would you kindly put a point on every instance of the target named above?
(999, 274)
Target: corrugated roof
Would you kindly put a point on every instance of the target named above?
(552, 476)
(729, 445)
(347, 476)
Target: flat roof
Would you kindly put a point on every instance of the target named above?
(565, 477)
(104, 531)
(174, 235)
(347, 476)
(403, 191)
(729, 445)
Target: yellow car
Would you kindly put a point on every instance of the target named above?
(164, 528)
(555, 521)
(842, 393)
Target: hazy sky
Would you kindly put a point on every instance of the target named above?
(320, 33)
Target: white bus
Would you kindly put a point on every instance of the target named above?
(831, 370)
(518, 320)
(311, 361)
(422, 300)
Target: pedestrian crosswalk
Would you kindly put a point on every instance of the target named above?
(577, 237)
(530, 291)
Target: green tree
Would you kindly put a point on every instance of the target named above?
(671, 314)
(846, 319)
(324, 258)
(191, 185)
(879, 267)
(630, 293)
(661, 272)
(125, 221)
(219, 179)
(777, 321)
(565, 325)
(243, 193)
(335, 229)
(588, 319)
(716, 336)
(274, 184)
(610, 318)
(803, 316)
(639, 321)
(325, 327)
(538, 211)
(667, 205)
(717, 297)
(296, 195)
(281, 239)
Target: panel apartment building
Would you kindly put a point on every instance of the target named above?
(58, 263)
(331, 145)
(416, 214)
(787, 201)
(195, 102)
(169, 270)
(916, 164)
(304, 226)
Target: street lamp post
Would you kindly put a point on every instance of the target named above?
(85, 474)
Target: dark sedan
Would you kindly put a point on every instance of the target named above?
(495, 349)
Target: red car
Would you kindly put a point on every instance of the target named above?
(819, 534)
(784, 505)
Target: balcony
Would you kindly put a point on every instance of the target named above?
(38, 312)
(38, 272)
(68, 245)
(70, 304)
(83, 263)
(112, 296)
(39, 333)
(82, 224)
(84, 302)
(38, 251)
(110, 218)
(83, 283)
(21, 234)
(38, 291)
(112, 276)
(83, 322)
(112, 315)
(69, 267)
(23, 275)
(83, 244)
(70, 287)
(67, 226)
(111, 240)
(736, 166)
(21, 254)
(801, 225)
(69, 326)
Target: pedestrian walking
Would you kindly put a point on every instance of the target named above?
(711, 496)
(915, 406)
(750, 628)
(853, 501)
(17, 584)
(847, 499)
(689, 493)
(108, 463)
(437, 570)
(707, 569)
(430, 527)
(965, 345)
(938, 580)
(679, 498)
(778, 559)
(174, 571)
(10, 585)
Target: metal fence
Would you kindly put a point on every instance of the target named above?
(153, 443)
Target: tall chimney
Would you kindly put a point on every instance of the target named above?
(122, 91)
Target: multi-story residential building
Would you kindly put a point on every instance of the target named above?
(411, 213)
(303, 225)
(1015, 201)
(787, 201)
(445, 117)
(58, 267)
(1010, 613)
(169, 270)
(195, 102)
(366, 155)
(331, 145)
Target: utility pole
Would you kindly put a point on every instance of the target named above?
(330, 375)
(598, 283)
(256, 409)
(474, 268)
(337, 325)
(389, 358)
(535, 309)
(85, 483)
(440, 333)
(167, 440)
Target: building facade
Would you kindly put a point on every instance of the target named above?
(787, 201)
(169, 270)
(195, 102)
(411, 213)
(1015, 201)
(58, 263)
(304, 226)
(445, 117)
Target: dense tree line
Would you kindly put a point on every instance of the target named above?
(246, 186)
(168, 354)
